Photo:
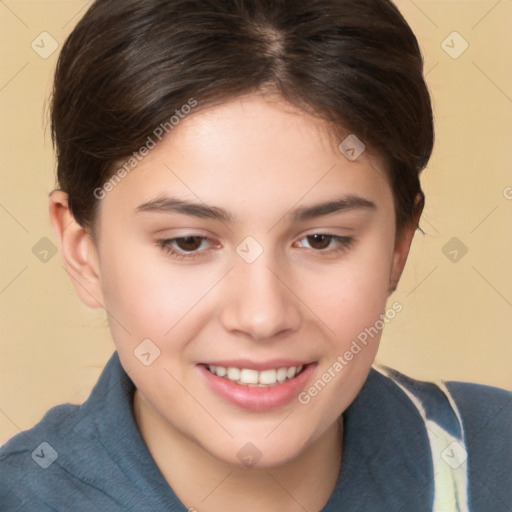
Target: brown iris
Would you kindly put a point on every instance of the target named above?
(319, 241)
(189, 243)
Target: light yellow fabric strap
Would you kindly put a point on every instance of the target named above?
(449, 455)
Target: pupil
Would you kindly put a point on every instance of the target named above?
(319, 241)
(189, 243)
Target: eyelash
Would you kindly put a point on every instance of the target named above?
(168, 245)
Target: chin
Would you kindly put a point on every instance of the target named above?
(256, 452)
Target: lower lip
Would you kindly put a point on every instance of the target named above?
(258, 398)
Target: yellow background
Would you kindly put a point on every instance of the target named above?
(457, 316)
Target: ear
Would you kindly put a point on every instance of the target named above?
(78, 251)
(403, 243)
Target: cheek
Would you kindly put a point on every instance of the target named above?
(351, 295)
(349, 302)
(150, 297)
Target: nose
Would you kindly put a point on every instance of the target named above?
(261, 303)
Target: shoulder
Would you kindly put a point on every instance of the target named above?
(481, 403)
(56, 422)
(470, 430)
(24, 457)
(49, 466)
(477, 406)
(486, 413)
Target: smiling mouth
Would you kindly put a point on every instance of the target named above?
(254, 378)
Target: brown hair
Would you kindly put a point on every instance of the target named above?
(129, 65)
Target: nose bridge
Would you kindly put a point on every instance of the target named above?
(260, 304)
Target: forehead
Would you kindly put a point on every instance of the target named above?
(243, 126)
(252, 155)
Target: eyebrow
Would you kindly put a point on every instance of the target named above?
(203, 211)
(344, 203)
(174, 205)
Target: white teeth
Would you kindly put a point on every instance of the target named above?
(233, 374)
(249, 376)
(268, 377)
(221, 371)
(290, 373)
(254, 378)
(281, 374)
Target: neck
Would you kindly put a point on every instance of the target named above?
(205, 484)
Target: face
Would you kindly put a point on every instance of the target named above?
(246, 249)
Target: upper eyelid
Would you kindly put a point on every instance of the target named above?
(339, 238)
(205, 237)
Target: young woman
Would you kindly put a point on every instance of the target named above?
(238, 189)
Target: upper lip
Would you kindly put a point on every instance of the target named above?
(259, 366)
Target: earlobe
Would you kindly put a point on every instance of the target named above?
(402, 246)
(78, 251)
(400, 254)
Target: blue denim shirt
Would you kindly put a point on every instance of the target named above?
(408, 446)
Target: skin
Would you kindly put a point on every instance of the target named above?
(259, 158)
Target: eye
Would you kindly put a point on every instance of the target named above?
(327, 243)
(188, 247)
(185, 246)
